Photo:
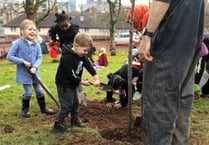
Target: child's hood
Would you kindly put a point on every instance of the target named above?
(67, 49)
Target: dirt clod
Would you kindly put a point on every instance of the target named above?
(8, 128)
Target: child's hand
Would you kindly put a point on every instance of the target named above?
(33, 70)
(86, 82)
(26, 63)
(109, 106)
(117, 106)
(96, 83)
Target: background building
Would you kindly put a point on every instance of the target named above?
(9, 9)
(72, 5)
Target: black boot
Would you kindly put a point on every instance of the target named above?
(76, 121)
(43, 108)
(60, 127)
(25, 108)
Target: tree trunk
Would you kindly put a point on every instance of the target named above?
(112, 30)
(114, 13)
(130, 69)
(31, 9)
(112, 39)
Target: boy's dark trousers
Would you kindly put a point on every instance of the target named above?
(69, 104)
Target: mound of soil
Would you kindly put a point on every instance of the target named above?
(112, 124)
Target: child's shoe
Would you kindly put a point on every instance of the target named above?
(76, 121)
(43, 108)
(25, 108)
(60, 127)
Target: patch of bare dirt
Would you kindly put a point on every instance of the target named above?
(8, 128)
(113, 124)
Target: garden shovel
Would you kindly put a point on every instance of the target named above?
(45, 88)
(104, 87)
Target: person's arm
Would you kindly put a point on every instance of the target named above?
(88, 66)
(91, 70)
(206, 3)
(157, 11)
(38, 58)
(110, 100)
(52, 33)
(12, 54)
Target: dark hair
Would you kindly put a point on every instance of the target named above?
(115, 81)
(62, 17)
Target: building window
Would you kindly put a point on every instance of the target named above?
(13, 29)
(86, 30)
(102, 30)
(44, 7)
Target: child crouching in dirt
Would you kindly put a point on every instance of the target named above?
(68, 78)
(119, 81)
(26, 53)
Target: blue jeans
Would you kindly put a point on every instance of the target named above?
(28, 90)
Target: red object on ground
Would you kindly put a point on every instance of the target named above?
(103, 60)
(141, 15)
(53, 51)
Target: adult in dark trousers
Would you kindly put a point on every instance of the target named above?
(170, 46)
(64, 31)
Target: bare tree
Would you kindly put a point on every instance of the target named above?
(130, 67)
(114, 8)
(32, 7)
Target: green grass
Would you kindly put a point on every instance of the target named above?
(36, 131)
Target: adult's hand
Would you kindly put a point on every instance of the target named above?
(144, 49)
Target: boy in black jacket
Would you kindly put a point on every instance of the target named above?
(68, 78)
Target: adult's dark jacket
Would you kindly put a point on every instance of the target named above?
(64, 36)
(70, 69)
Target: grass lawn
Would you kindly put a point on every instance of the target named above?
(35, 131)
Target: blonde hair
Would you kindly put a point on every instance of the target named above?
(25, 24)
(83, 40)
(102, 51)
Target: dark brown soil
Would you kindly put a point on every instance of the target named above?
(112, 125)
(8, 128)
